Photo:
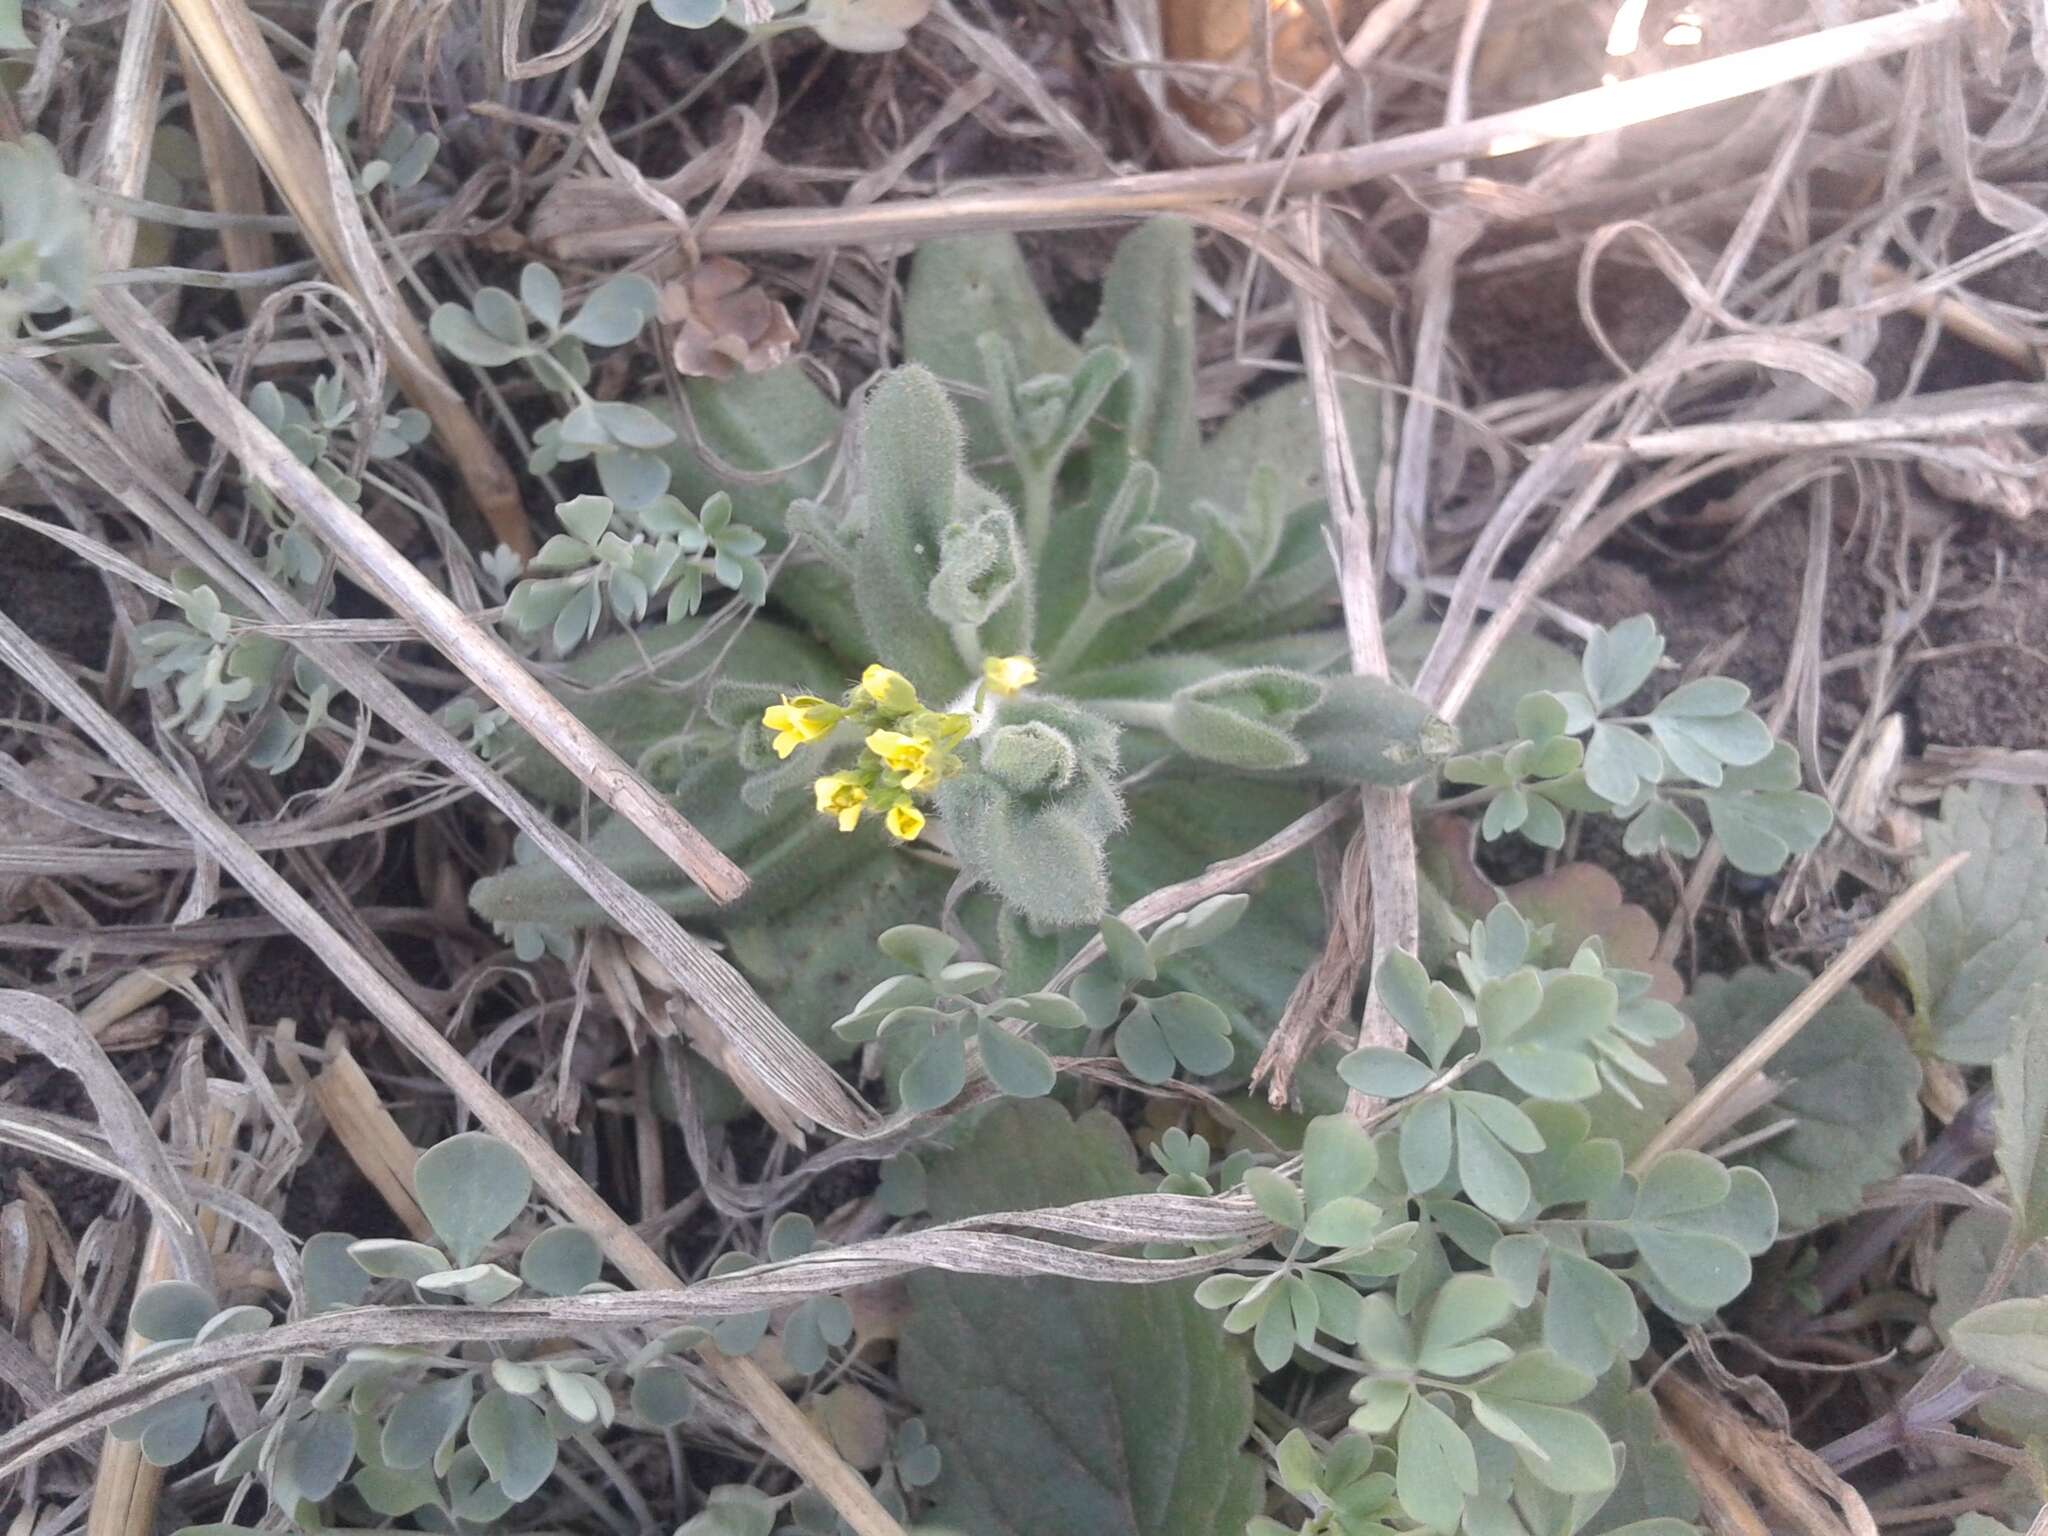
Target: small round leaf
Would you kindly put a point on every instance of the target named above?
(171, 1309)
(471, 1187)
(561, 1261)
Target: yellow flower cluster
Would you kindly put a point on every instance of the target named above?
(907, 749)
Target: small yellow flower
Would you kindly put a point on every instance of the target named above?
(799, 720)
(841, 795)
(908, 755)
(904, 821)
(1009, 674)
(888, 688)
(944, 730)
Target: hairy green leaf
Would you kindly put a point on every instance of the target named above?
(1974, 955)
(2020, 1076)
(1060, 1405)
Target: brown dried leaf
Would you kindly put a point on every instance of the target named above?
(2012, 485)
(722, 322)
(1228, 104)
(856, 1423)
(24, 1260)
(24, 822)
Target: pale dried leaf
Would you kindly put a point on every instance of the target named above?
(723, 323)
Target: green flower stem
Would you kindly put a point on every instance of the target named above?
(1145, 714)
(967, 641)
(1081, 633)
(1039, 481)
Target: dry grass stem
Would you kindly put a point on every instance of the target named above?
(221, 36)
(1684, 1127)
(1049, 206)
(791, 1435)
(774, 1054)
(374, 1141)
(480, 654)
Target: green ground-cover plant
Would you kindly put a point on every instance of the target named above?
(1137, 626)
(456, 1438)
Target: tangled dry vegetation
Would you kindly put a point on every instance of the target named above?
(1262, 1038)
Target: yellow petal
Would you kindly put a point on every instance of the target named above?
(888, 688)
(1009, 674)
(905, 820)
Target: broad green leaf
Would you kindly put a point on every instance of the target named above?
(456, 330)
(1426, 1009)
(1619, 761)
(333, 1278)
(1141, 1046)
(734, 1510)
(171, 1309)
(1761, 815)
(2020, 1076)
(313, 1457)
(1014, 1064)
(471, 1187)
(1562, 1448)
(424, 1420)
(1277, 1199)
(1590, 1316)
(1346, 1222)
(514, 1440)
(1962, 1268)
(1660, 824)
(1426, 1145)
(541, 292)
(2009, 1339)
(936, 1074)
(615, 311)
(634, 480)
(1466, 1308)
(1196, 1030)
(169, 1432)
(662, 1395)
(962, 289)
(1493, 1177)
(1338, 1158)
(472, 1493)
(561, 1261)
(1436, 1472)
(481, 1285)
(394, 1493)
(1654, 1494)
(1696, 1226)
(1127, 952)
(1846, 1081)
(1382, 1073)
(918, 948)
(1061, 1405)
(1973, 956)
(499, 313)
(1620, 660)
